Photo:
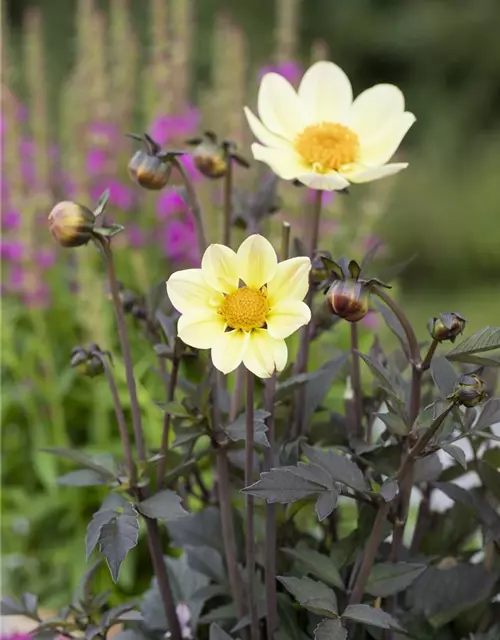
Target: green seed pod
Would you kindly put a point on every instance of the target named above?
(469, 390)
(448, 326)
(71, 224)
(348, 300)
(149, 171)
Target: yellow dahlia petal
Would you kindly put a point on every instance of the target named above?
(229, 349)
(331, 181)
(286, 317)
(290, 282)
(374, 108)
(187, 289)
(364, 174)
(285, 163)
(257, 261)
(279, 106)
(200, 328)
(265, 354)
(263, 134)
(380, 149)
(326, 93)
(220, 268)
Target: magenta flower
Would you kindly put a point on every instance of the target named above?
(327, 198)
(168, 127)
(103, 133)
(290, 70)
(96, 161)
(45, 258)
(179, 240)
(136, 237)
(16, 278)
(168, 203)
(370, 321)
(188, 163)
(11, 219)
(120, 195)
(11, 250)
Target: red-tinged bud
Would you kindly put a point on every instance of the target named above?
(469, 390)
(211, 160)
(149, 171)
(448, 326)
(71, 224)
(348, 299)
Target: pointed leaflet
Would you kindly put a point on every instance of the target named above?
(237, 429)
(318, 387)
(393, 323)
(486, 339)
(329, 629)
(364, 614)
(318, 565)
(395, 424)
(326, 503)
(388, 578)
(389, 489)
(165, 505)
(208, 562)
(280, 485)
(82, 459)
(117, 538)
(83, 478)
(217, 633)
(444, 375)
(312, 595)
(457, 453)
(101, 203)
(490, 477)
(490, 414)
(339, 468)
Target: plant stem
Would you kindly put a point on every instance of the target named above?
(120, 418)
(237, 394)
(272, 611)
(426, 362)
(194, 205)
(357, 427)
(249, 531)
(305, 334)
(170, 394)
(228, 192)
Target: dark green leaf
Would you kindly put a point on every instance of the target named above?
(312, 595)
(208, 562)
(198, 529)
(318, 387)
(427, 469)
(480, 361)
(165, 505)
(393, 323)
(490, 414)
(444, 375)
(169, 328)
(101, 203)
(280, 485)
(389, 490)
(326, 503)
(163, 350)
(318, 565)
(364, 614)
(485, 339)
(177, 410)
(388, 578)
(490, 477)
(354, 269)
(457, 453)
(83, 478)
(109, 231)
(395, 424)
(329, 629)
(99, 519)
(81, 458)
(217, 633)
(9, 607)
(312, 472)
(237, 429)
(224, 612)
(339, 468)
(291, 384)
(379, 372)
(117, 537)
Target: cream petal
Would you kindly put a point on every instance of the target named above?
(200, 328)
(263, 134)
(257, 261)
(285, 163)
(220, 268)
(291, 280)
(331, 181)
(286, 317)
(374, 108)
(279, 107)
(229, 349)
(380, 149)
(265, 354)
(326, 93)
(189, 288)
(365, 174)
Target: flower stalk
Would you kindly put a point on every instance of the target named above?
(194, 205)
(357, 427)
(170, 394)
(228, 193)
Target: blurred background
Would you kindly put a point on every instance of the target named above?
(77, 74)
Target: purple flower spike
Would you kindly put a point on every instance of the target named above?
(12, 251)
(168, 203)
(188, 163)
(290, 70)
(11, 220)
(167, 127)
(120, 195)
(179, 239)
(16, 278)
(136, 237)
(45, 258)
(96, 161)
(103, 133)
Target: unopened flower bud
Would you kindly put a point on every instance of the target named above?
(71, 224)
(469, 390)
(448, 326)
(210, 159)
(319, 271)
(149, 171)
(348, 299)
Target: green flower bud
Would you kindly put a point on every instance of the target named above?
(149, 171)
(348, 299)
(469, 390)
(448, 326)
(211, 160)
(71, 224)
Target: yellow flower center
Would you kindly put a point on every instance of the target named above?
(245, 309)
(327, 146)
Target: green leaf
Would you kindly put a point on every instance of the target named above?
(208, 562)
(312, 472)
(81, 458)
(110, 231)
(83, 478)
(480, 361)
(364, 614)
(318, 565)
(393, 323)
(217, 633)
(165, 505)
(99, 519)
(168, 326)
(457, 453)
(202, 529)
(101, 203)
(329, 629)
(176, 409)
(318, 386)
(485, 339)
(281, 485)
(338, 467)
(117, 537)
(10, 607)
(388, 578)
(490, 414)
(389, 489)
(237, 429)
(444, 375)
(490, 477)
(394, 423)
(312, 595)
(326, 503)
(379, 372)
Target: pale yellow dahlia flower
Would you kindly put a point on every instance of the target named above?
(320, 136)
(242, 305)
